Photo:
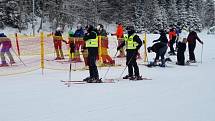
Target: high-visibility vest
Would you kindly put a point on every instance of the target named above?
(92, 42)
(130, 43)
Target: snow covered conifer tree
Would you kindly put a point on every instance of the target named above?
(194, 21)
(172, 13)
(182, 13)
(139, 15)
(209, 13)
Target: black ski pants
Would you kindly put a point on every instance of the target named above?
(172, 42)
(161, 53)
(131, 62)
(180, 53)
(192, 47)
(92, 53)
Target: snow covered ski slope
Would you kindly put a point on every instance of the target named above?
(176, 93)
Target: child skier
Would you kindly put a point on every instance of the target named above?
(104, 45)
(181, 48)
(57, 39)
(172, 38)
(133, 44)
(6, 45)
(180, 53)
(78, 40)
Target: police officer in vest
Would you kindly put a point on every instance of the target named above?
(91, 41)
(133, 44)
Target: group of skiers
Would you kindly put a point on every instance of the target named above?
(5, 45)
(177, 35)
(93, 41)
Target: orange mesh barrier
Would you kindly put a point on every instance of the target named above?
(30, 53)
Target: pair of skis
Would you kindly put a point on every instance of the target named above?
(70, 82)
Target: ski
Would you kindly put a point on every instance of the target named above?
(83, 82)
(120, 79)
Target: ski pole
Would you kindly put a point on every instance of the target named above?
(19, 57)
(109, 67)
(127, 65)
(202, 54)
(70, 71)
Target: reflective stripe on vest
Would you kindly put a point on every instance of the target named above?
(92, 42)
(130, 43)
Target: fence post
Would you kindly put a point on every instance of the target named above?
(42, 64)
(100, 50)
(17, 44)
(145, 49)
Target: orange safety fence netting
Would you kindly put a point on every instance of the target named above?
(26, 51)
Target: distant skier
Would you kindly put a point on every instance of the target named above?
(133, 44)
(160, 49)
(91, 40)
(78, 39)
(172, 39)
(6, 46)
(181, 48)
(57, 39)
(192, 37)
(163, 39)
(119, 34)
(104, 45)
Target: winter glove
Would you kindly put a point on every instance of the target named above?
(118, 48)
(202, 42)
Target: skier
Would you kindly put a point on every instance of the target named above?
(180, 53)
(160, 49)
(104, 45)
(91, 40)
(71, 44)
(192, 37)
(172, 38)
(133, 44)
(57, 39)
(78, 40)
(181, 47)
(119, 34)
(163, 39)
(6, 45)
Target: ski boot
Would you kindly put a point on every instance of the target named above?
(86, 79)
(112, 63)
(168, 60)
(57, 58)
(4, 65)
(12, 62)
(94, 80)
(162, 65)
(151, 64)
(127, 77)
(191, 61)
(136, 78)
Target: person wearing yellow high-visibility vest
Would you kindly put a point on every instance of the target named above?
(91, 41)
(133, 44)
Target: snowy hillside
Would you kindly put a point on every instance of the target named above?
(175, 93)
